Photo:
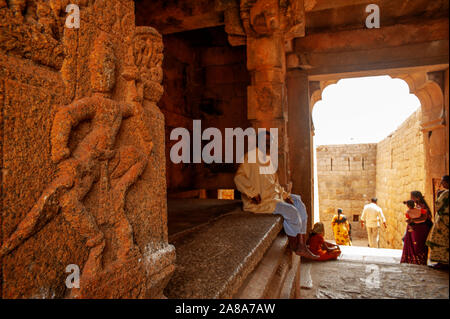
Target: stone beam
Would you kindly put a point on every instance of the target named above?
(319, 5)
(398, 46)
(353, 17)
(364, 39)
(207, 20)
(432, 56)
(172, 17)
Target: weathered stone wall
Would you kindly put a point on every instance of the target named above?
(179, 68)
(400, 170)
(346, 179)
(204, 79)
(223, 103)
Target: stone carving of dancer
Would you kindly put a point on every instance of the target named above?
(80, 169)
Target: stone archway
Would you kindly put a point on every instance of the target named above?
(432, 123)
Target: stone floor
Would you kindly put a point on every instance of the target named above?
(369, 273)
(363, 242)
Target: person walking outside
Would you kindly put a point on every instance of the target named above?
(341, 229)
(371, 216)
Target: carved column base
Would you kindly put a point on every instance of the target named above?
(160, 266)
(137, 277)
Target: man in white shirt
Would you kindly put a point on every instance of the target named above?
(372, 215)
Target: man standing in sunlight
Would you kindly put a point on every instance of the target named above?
(372, 215)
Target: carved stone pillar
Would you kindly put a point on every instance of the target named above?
(268, 25)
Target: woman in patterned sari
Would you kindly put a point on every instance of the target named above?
(414, 249)
(438, 238)
(341, 229)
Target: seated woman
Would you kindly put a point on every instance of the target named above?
(318, 245)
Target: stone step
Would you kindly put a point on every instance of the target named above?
(275, 276)
(258, 282)
(291, 286)
(187, 214)
(215, 260)
(277, 282)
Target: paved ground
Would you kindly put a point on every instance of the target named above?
(360, 242)
(370, 273)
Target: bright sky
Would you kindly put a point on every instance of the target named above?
(362, 110)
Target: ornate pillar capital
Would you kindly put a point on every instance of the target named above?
(266, 17)
(262, 18)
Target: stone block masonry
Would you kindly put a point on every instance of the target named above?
(346, 177)
(400, 170)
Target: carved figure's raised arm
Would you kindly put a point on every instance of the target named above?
(65, 119)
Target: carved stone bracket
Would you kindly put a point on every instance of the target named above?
(266, 17)
(262, 18)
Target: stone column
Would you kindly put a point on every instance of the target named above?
(267, 94)
(268, 24)
(300, 143)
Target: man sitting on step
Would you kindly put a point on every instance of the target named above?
(262, 193)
